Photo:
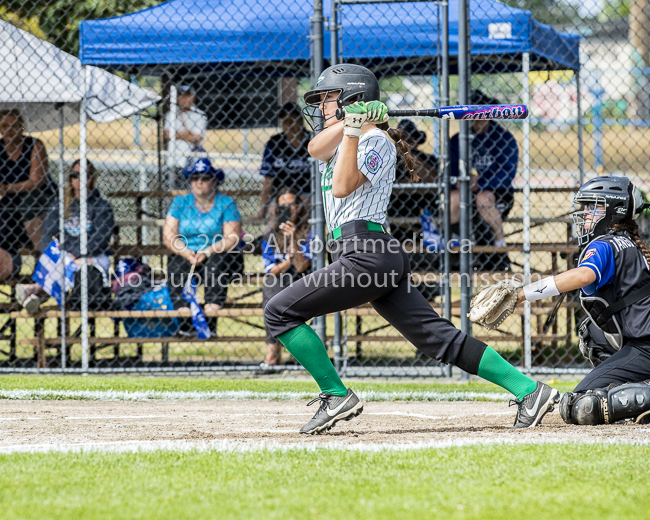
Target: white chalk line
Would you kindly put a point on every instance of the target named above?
(91, 418)
(437, 417)
(234, 446)
(115, 395)
(169, 417)
(120, 417)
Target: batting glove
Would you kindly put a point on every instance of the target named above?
(377, 112)
(356, 115)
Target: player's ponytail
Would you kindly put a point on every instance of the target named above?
(403, 148)
(632, 228)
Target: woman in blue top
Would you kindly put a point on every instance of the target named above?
(202, 228)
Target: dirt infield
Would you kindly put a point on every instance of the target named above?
(43, 424)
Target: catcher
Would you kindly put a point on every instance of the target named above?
(614, 281)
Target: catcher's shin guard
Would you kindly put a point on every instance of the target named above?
(585, 408)
(628, 401)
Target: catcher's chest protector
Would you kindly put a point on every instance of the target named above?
(631, 273)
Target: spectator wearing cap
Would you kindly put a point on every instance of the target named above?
(202, 228)
(286, 161)
(495, 156)
(411, 204)
(191, 124)
(100, 228)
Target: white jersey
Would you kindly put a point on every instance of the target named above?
(376, 160)
(193, 120)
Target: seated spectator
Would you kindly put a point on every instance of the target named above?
(100, 229)
(202, 229)
(26, 191)
(287, 256)
(286, 161)
(425, 167)
(191, 124)
(494, 157)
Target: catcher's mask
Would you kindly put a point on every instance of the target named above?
(351, 82)
(603, 202)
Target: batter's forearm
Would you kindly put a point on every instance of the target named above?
(323, 146)
(347, 177)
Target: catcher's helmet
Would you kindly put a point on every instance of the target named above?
(352, 82)
(607, 200)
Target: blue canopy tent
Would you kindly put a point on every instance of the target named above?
(273, 37)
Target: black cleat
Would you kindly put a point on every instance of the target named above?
(533, 407)
(332, 409)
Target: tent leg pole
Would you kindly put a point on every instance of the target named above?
(318, 216)
(526, 99)
(62, 232)
(83, 221)
(173, 115)
(464, 170)
(581, 153)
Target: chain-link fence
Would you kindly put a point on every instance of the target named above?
(183, 120)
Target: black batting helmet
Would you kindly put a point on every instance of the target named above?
(607, 200)
(352, 82)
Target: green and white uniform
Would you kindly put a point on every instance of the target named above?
(370, 266)
(376, 159)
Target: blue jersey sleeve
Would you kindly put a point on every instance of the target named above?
(600, 259)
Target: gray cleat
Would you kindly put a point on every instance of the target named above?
(332, 409)
(533, 407)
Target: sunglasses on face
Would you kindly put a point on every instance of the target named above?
(203, 177)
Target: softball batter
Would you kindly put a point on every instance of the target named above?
(357, 163)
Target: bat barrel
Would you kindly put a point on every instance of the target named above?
(468, 112)
(478, 112)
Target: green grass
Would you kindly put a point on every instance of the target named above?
(568, 481)
(164, 384)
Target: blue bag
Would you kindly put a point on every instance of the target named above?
(156, 299)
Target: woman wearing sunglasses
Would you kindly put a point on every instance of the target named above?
(100, 229)
(203, 228)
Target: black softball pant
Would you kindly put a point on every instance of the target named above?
(372, 267)
(631, 364)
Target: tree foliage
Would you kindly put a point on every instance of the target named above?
(615, 10)
(551, 12)
(59, 19)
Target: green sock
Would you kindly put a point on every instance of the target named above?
(305, 345)
(498, 371)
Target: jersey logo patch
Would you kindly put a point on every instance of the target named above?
(589, 254)
(373, 161)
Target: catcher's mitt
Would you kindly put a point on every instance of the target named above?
(495, 303)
